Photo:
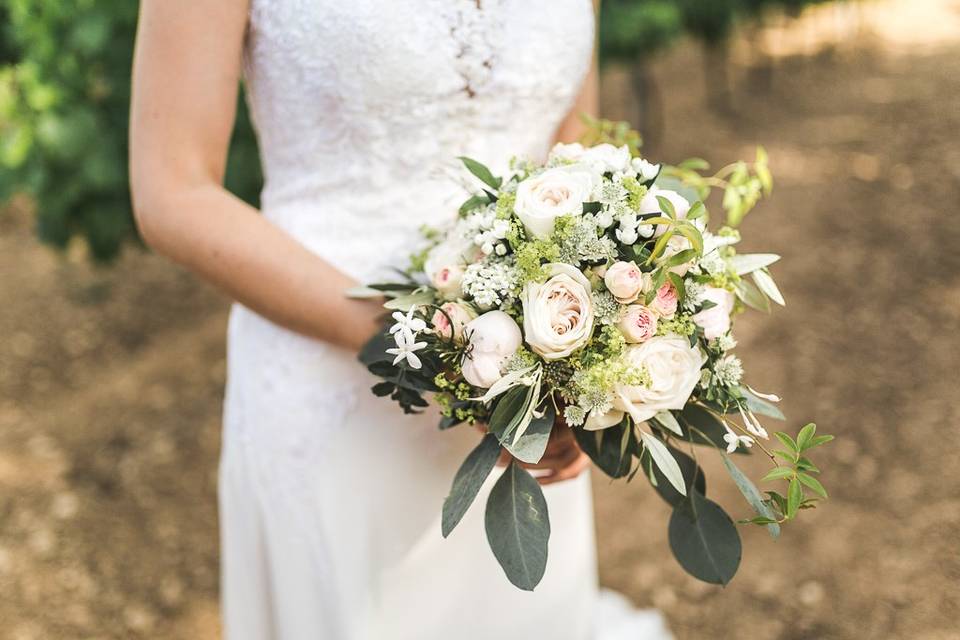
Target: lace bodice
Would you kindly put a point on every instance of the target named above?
(362, 106)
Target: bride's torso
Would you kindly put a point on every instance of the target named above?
(362, 106)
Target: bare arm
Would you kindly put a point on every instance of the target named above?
(185, 77)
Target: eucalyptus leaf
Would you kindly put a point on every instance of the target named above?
(752, 296)
(665, 462)
(702, 427)
(508, 412)
(747, 262)
(603, 447)
(466, 484)
(752, 496)
(705, 540)
(693, 477)
(518, 527)
(405, 302)
(765, 283)
(532, 444)
(667, 420)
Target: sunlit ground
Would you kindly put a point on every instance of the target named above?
(110, 381)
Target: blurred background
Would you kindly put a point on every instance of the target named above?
(112, 360)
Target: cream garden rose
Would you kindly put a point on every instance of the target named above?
(543, 198)
(715, 320)
(674, 370)
(638, 324)
(449, 320)
(494, 337)
(625, 281)
(558, 314)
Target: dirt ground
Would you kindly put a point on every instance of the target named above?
(111, 380)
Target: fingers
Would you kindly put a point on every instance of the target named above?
(567, 472)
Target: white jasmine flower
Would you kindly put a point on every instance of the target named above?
(407, 325)
(501, 249)
(733, 441)
(406, 349)
(772, 397)
(753, 425)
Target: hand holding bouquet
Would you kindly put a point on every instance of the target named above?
(591, 288)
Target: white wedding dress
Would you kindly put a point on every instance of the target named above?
(330, 497)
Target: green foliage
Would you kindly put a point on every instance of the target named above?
(798, 472)
(466, 484)
(64, 103)
(518, 527)
(632, 30)
(704, 540)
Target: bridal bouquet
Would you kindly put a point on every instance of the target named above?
(590, 293)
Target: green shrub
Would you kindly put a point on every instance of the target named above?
(64, 103)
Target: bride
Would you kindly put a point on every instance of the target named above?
(329, 498)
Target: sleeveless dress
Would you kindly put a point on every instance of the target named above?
(330, 497)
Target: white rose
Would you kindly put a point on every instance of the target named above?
(674, 369)
(606, 157)
(494, 337)
(445, 265)
(543, 198)
(625, 281)
(649, 204)
(449, 320)
(570, 152)
(715, 320)
(557, 314)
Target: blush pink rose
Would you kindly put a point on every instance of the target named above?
(449, 320)
(625, 281)
(665, 302)
(638, 324)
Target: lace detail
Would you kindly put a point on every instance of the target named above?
(361, 108)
